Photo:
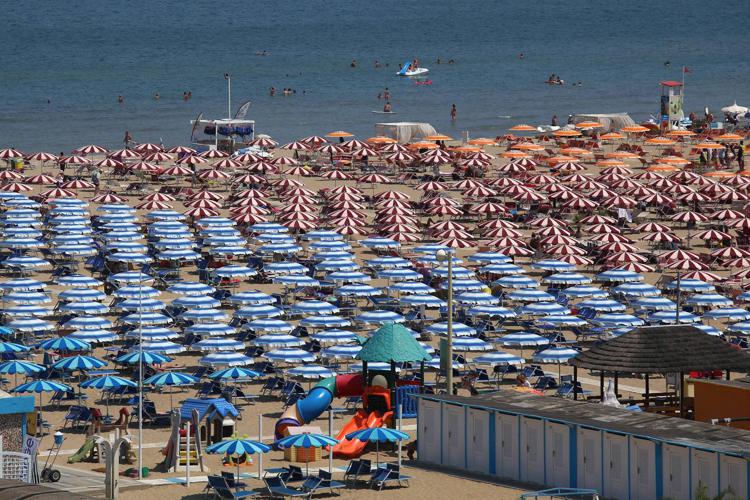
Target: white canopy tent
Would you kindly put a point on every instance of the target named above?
(404, 131)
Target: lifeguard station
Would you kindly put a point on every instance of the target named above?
(670, 109)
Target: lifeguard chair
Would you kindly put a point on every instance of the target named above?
(670, 109)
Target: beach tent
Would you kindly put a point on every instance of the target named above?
(609, 121)
(404, 131)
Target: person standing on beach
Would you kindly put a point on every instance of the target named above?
(128, 139)
(554, 121)
(453, 112)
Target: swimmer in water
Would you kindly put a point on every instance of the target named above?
(387, 107)
(353, 63)
(157, 96)
(120, 99)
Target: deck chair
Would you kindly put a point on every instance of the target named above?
(327, 482)
(221, 489)
(278, 489)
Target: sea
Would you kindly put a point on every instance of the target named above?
(64, 64)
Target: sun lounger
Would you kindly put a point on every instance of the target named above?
(278, 489)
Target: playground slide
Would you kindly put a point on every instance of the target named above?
(83, 453)
(352, 448)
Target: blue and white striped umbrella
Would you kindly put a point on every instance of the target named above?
(165, 215)
(489, 258)
(204, 315)
(691, 285)
(560, 321)
(147, 358)
(39, 386)
(310, 372)
(709, 299)
(27, 297)
(380, 317)
(388, 263)
(79, 363)
(618, 320)
(334, 336)
(27, 311)
(317, 307)
(743, 297)
(530, 295)
(88, 323)
(127, 246)
(252, 297)
(64, 344)
(93, 336)
(429, 301)
(502, 269)
(492, 311)
(17, 367)
(147, 318)
(619, 276)
(379, 243)
(269, 326)
(323, 235)
(258, 311)
(498, 358)
(476, 299)
(196, 302)
(348, 277)
(226, 241)
(357, 290)
(211, 329)
(557, 355)
(225, 358)
(30, 325)
(24, 262)
(399, 275)
(459, 329)
(218, 344)
(88, 308)
(128, 257)
(281, 268)
(11, 347)
(435, 363)
(107, 382)
(72, 239)
(655, 304)
(235, 373)
(553, 265)
(543, 309)
(472, 344)
(326, 321)
(567, 279)
(728, 313)
(145, 305)
(378, 435)
(670, 317)
(21, 243)
(237, 448)
(235, 271)
(136, 292)
(345, 351)
(115, 207)
(82, 295)
(191, 288)
(78, 281)
(457, 272)
(464, 285)
(522, 339)
(276, 340)
(607, 305)
(269, 227)
(710, 330)
(230, 250)
(74, 250)
(171, 379)
(515, 281)
(412, 287)
(152, 333)
(130, 277)
(306, 441)
(333, 255)
(637, 290)
(174, 244)
(178, 255)
(327, 246)
(297, 280)
(22, 285)
(290, 356)
(337, 265)
(433, 261)
(279, 248)
(432, 248)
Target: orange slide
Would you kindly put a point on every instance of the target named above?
(352, 448)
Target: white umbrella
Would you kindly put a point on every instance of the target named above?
(734, 109)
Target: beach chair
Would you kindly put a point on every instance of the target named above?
(271, 385)
(364, 469)
(73, 416)
(311, 485)
(221, 489)
(153, 417)
(327, 482)
(232, 482)
(278, 489)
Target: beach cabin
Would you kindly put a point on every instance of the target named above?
(17, 418)
(557, 442)
(216, 417)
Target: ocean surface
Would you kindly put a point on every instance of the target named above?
(65, 63)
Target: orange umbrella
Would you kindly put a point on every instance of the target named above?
(634, 129)
(622, 155)
(437, 137)
(575, 151)
(381, 140)
(660, 141)
(340, 133)
(610, 136)
(589, 124)
(528, 146)
(610, 163)
(523, 128)
(709, 145)
(745, 173)
(553, 160)
(515, 154)
(566, 133)
(482, 141)
(662, 168)
(466, 149)
(720, 173)
(423, 145)
(681, 133)
(672, 160)
(730, 137)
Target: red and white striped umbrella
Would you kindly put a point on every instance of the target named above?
(331, 149)
(124, 154)
(399, 228)
(354, 144)
(143, 166)
(620, 202)
(227, 164)
(507, 242)
(399, 157)
(109, 162)
(625, 257)
(287, 184)
(15, 187)
(253, 193)
(314, 140)
(440, 201)
(661, 238)
(457, 243)
(742, 262)
(736, 181)
(157, 157)
(299, 225)
(264, 143)
(597, 219)
(565, 250)
(636, 267)
(91, 149)
(731, 197)
(558, 239)
(213, 174)
(677, 190)
(479, 192)
(177, 170)
(512, 169)
(541, 179)
(299, 170)
(350, 230)
(346, 189)
(609, 238)
(246, 158)
(475, 163)
(466, 184)
(345, 197)
(603, 228)
(75, 160)
(8, 153)
(249, 179)
(346, 213)
(514, 251)
(693, 197)
(148, 148)
(574, 178)
(392, 195)
(742, 274)
(686, 265)
(530, 196)
(40, 179)
(198, 213)
(488, 208)
(444, 210)
(347, 221)
(714, 189)
(708, 277)
(552, 231)
(563, 195)
(203, 204)
(108, 198)
(580, 204)
(657, 199)
(689, 217)
(652, 227)
(374, 179)
(364, 152)
(741, 225)
(212, 154)
(453, 233)
(397, 219)
(393, 147)
(42, 157)
(262, 167)
(727, 214)
(554, 188)
(602, 194)
(192, 160)
(404, 237)
(10, 175)
(448, 224)
(77, 184)
(730, 253)
(546, 222)
(249, 219)
(335, 175)
(676, 255)
(589, 185)
(569, 166)
(205, 194)
(284, 161)
(153, 205)
(611, 178)
(431, 186)
(639, 192)
(249, 209)
(338, 205)
(180, 150)
(618, 247)
(713, 235)
(501, 232)
(296, 146)
(576, 260)
(58, 193)
(159, 197)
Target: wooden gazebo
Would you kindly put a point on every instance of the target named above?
(660, 350)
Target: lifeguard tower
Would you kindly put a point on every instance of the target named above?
(670, 109)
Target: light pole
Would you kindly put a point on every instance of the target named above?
(228, 78)
(140, 379)
(442, 256)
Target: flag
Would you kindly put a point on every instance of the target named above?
(685, 69)
(242, 111)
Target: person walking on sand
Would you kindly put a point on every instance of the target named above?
(453, 112)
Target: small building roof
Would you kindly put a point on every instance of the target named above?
(207, 408)
(663, 349)
(392, 343)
